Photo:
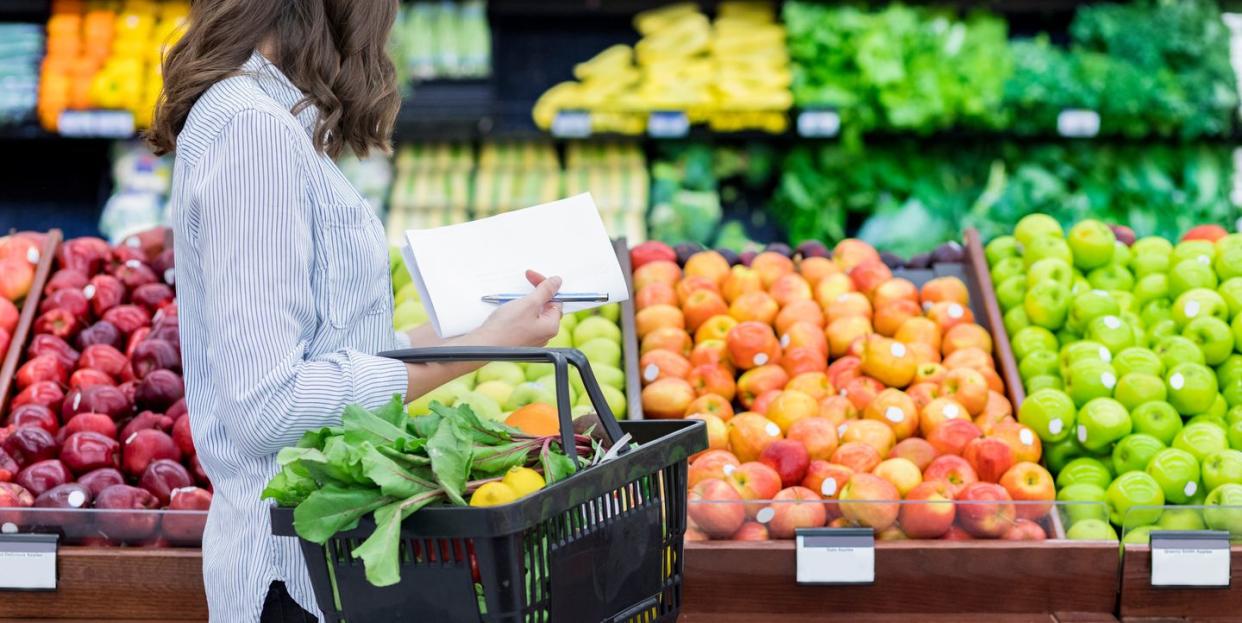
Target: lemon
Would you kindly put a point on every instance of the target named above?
(493, 494)
(523, 481)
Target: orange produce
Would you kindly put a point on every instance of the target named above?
(799, 311)
(802, 359)
(712, 379)
(711, 404)
(659, 271)
(707, 264)
(945, 289)
(750, 433)
(702, 305)
(814, 384)
(536, 418)
(690, 285)
(771, 266)
(754, 306)
(667, 398)
(814, 269)
(656, 294)
(741, 280)
(790, 288)
(714, 328)
(791, 406)
(667, 338)
(893, 290)
(752, 344)
(658, 364)
(658, 317)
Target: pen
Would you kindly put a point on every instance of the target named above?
(561, 297)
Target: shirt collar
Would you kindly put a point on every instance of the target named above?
(276, 85)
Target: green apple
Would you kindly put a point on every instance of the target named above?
(1050, 269)
(527, 393)
(1084, 470)
(569, 321)
(1091, 530)
(498, 391)
(1083, 502)
(1221, 467)
(1175, 350)
(1043, 381)
(1231, 291)
(1212, 335)
(1011, 293)
(1201, 251)
(611, 376)
(1111, 277)
(1059, 454)
(1138, 535)
(1034, 225)
(1177, 472)
(1156, 312)
(482, 405)
(580, 410)
(1137, 359)
(1218, 410)
(1135, 499)
(408, 315)
(1090, 305)
(1234, 415)
(1066, 336)
(1212, 420)
(1229, 369)
(564, 338)
(1181, 519)
(505, 371)
(1121, 254)
(596, 327)
(1192, 388)
(1132, 453)
(1234, 434)
(1224, 510)
(1111, 331)
(1232, 391)
(408, 292)
(1089, 379)
(1009, 268)
(1047, 304)
(602, 350)
(549, 381)
(1201, 440)
(1046, 247)
(615, 399)
(1188, 275)
(1015, 320)
(1158, 419)
(1150, 288)
(1084, 350)
(1080, 284)
(1236, 327)
(446, 394)
(1199, 302)
(1139, 388)
(1031, 339)
(1048, 412)
(1143, 265)
(1092, 243)
(1101, 422)
(1000, 248)
(610, 312)
(1038, 363)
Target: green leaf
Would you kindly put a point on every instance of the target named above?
(450, 454)
(425, 426)
(491, 460)
(481, 430)
(409, 460)
(344, 462)
(379, 553)
(333, 509)
(556, 466)
(316, 438)
(288, 487)
(393, 412)
(393, 479)
(362, 425)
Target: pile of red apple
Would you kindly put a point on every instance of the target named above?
(834, 394)
(99, 420)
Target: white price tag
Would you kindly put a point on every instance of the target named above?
(28, 562)
(1190, 559)
(668, 124)
(835, 556)
(819, 123)
(96, 123)
(571, 124)
(1078, 123)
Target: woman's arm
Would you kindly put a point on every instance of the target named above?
(255, 240)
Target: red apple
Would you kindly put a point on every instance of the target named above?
(1024, 530)
(986, 511)
(989, 457)
(928, 512)
(754, 481)
(952, 469)
(788, 458)
(1032, 487)
(914, 449)
(751, 531)
(716, 508)
(793, 508)
(869, 500)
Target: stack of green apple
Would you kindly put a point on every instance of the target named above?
(500, 387)
(1129, 354)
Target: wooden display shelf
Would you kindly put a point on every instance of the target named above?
(1142, 603)
(915, 580)
(25, 323)
(112, 583)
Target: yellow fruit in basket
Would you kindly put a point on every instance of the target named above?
(493, 494)
(523, 481)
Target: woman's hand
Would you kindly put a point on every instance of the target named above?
(529, 321)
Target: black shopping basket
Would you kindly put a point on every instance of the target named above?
(603, 545)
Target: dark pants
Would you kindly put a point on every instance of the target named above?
(279, 607)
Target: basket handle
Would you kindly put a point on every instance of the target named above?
(560, 358)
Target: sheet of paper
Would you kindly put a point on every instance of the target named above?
(455, 266)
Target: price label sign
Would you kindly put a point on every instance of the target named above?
(571, 124)
(668, 124)
(1078, 123)
(28, 561)
(835, 555)
(1190, 558)
(819, 123)
(96, 123)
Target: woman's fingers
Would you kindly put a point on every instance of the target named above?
(534, 278)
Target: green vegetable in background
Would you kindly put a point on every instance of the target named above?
(384, 463)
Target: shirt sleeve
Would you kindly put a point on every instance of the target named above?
(256, 247)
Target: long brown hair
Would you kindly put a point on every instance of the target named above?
(335, 51)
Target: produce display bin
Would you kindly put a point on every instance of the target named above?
(629, 337)
(30, 309)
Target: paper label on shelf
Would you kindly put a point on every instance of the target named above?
(28, 562)
(819, 123)
(1078, 123)
(571, 124)
(668, 124)
(96, 123)
(835, 556)
(1190, 559)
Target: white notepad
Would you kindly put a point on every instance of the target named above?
(455, 266)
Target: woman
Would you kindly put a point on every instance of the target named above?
(282, 269)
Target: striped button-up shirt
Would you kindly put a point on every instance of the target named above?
(284, 296)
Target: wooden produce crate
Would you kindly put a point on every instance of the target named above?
(979, 580)
(1140, 602)
(30, 310)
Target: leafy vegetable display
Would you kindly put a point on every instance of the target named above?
(907, 198)
(391, 465)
